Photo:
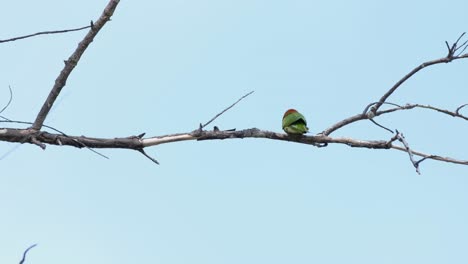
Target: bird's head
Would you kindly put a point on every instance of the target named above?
(290, 111)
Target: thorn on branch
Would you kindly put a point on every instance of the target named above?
(25, 253)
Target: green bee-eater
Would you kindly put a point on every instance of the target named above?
(294, 122)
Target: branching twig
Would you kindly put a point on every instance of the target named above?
(367, 115)
(34, 135)
(366, 109)
(450, 57)
(72, 62)
(433, 157)
(222, 112)
(455, 47)
(45, 33)
(26, 252)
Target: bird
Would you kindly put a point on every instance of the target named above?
(294, 123)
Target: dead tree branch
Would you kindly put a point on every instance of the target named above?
(449, 58)
(72, 62)
(35, 135)
(138, 143)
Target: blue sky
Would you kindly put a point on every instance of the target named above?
(163, 67)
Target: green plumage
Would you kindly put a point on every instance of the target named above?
(294, 122)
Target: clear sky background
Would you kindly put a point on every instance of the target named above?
(163, 67)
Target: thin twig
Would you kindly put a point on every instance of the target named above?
(423, 159)
(72, 62)
(222, 112)
(455, 46)
(26, 252)
(45, 33)
(381, 126)
(459, 108)
(9, 101)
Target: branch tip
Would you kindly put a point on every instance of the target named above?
(26, 252)
(142, 151)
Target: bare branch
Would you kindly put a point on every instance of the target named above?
(26, 252)
(138, 143)
(345, 122)
(440, 110)
(450, 57)
(402, 139)
(34, 140)
(434, 157)
(45, 33)
(222, 112)
(365, 115)
(72, 62)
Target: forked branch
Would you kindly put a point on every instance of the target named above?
(450, 57)
(35, 135)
